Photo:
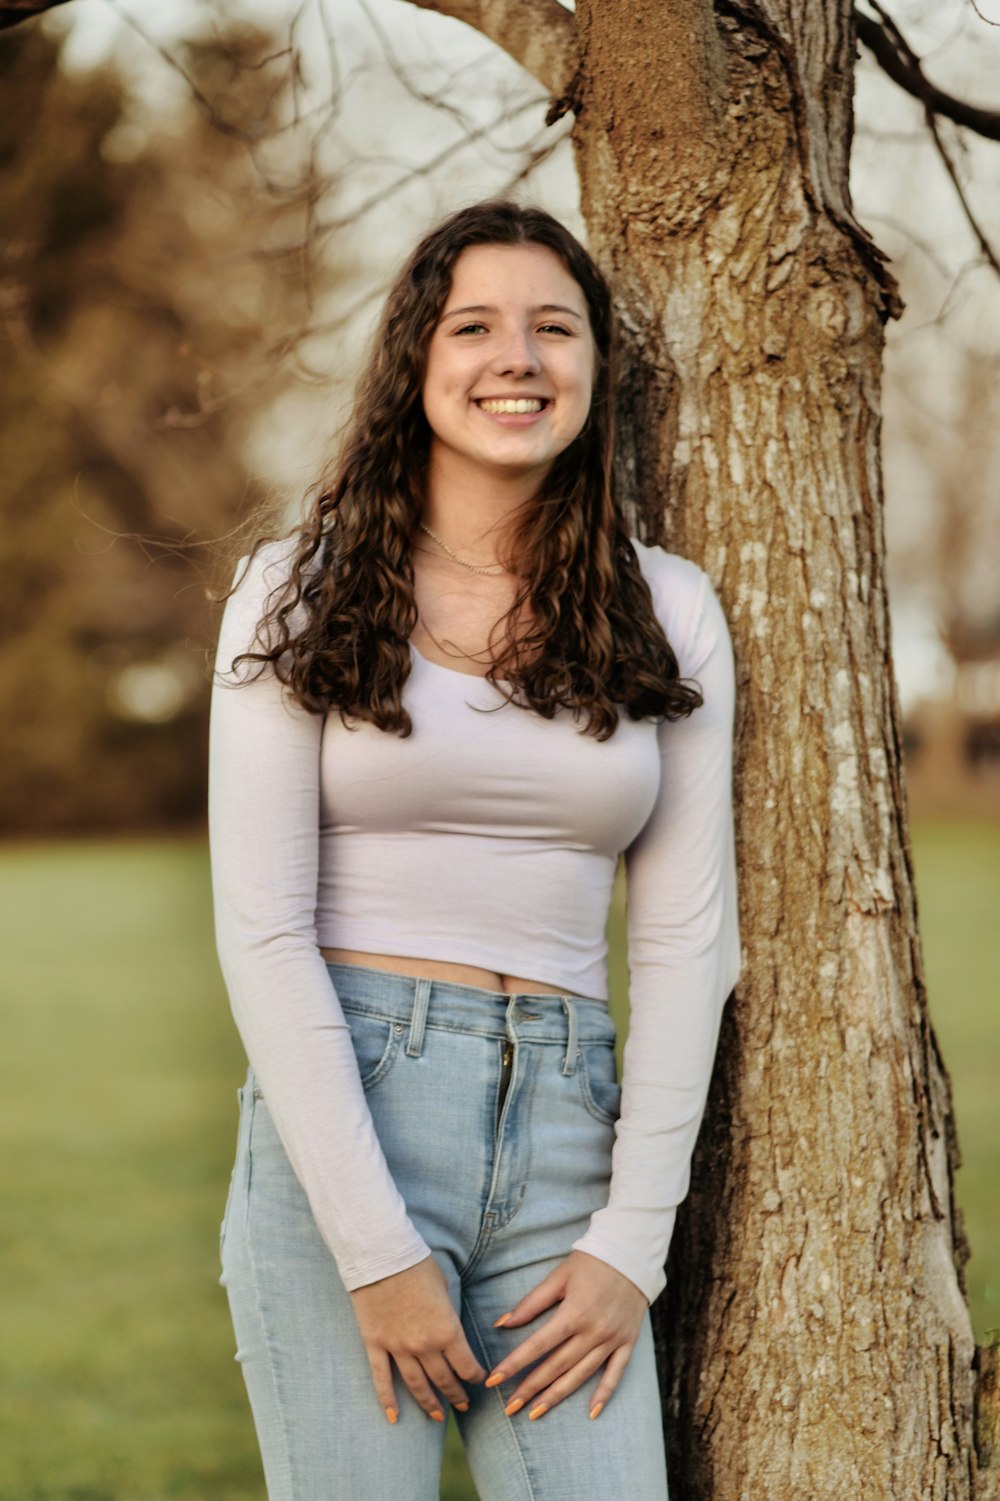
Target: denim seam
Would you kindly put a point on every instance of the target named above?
(389, 1055)
(508, 1421)
(478, 1251)
(255, 1282)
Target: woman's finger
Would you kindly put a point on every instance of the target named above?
(613, 1373)
(459, 1356)
(552, 1333)
(424, 1394)
(570, 1356)
(547, 1292)
(382, 1377)
(566, 1384)
(440, 1372)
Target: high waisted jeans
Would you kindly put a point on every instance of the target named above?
(499, 1192)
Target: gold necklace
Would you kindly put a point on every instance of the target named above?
(492, 568)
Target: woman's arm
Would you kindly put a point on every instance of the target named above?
(264, 829)
(683, 943)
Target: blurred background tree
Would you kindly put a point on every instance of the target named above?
(147, 319)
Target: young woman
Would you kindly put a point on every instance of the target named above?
(442, 709)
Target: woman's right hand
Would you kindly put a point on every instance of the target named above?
(409, 1318)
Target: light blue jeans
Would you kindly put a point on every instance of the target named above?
(499, 1194)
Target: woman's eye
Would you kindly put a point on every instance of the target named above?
(545, 328)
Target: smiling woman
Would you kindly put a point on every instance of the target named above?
(443, 709)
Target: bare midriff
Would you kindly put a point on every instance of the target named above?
(441, 969)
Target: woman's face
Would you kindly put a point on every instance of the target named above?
(510, 365)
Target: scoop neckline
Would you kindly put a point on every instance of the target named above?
(453, 672)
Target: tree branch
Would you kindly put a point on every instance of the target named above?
(541, 35)
(890, 49)
(984, 245)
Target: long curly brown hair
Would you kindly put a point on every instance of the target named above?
(581, 633)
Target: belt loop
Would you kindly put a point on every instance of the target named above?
(418, 1021)
(572, 1043)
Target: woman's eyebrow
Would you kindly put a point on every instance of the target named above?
(545, 307)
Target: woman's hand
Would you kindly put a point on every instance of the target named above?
(409, 1318)
(597, 1323)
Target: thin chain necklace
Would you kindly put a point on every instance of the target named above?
(493, 568)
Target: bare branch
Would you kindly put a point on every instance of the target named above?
(403, 75)
(989, 253)
(979, 13)
(541, 35)
(225, 127)
(894, 54)
(425, 170)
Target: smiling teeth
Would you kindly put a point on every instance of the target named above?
(516, 408)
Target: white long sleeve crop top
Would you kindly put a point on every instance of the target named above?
(489, 839)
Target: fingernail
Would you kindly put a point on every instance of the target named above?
(536, 1412)
(460, 1406)
(597, 1409)
(392, 1414)
(437, 1415)
(501, 1320)
(496, 1378)
(514, 1405)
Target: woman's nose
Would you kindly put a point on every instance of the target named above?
(518, 355)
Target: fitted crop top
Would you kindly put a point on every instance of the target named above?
(488, 837)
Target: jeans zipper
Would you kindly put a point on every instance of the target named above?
(505, 1073)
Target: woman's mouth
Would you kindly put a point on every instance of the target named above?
(512, 406)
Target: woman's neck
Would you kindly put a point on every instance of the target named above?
(472, 510)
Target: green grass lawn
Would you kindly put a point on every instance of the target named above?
(117, 1123)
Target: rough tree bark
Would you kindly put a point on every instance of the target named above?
(814, 1333)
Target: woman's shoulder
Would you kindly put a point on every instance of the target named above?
(668, 570)
(260, 576)
(266, 567)
(680, 591)
(258, 579)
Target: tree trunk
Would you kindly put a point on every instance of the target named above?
(814, 1334)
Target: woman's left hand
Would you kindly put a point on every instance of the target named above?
(597, 1323)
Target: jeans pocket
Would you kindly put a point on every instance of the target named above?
(377, 1041)
(598, 1073)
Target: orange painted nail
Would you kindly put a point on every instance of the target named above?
(514, 1405)
(460, 1406)
(437, 1415)
(536, 1412)
(392, 1414)
(501, 1320)
(597, 1409)
(496, 1378)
